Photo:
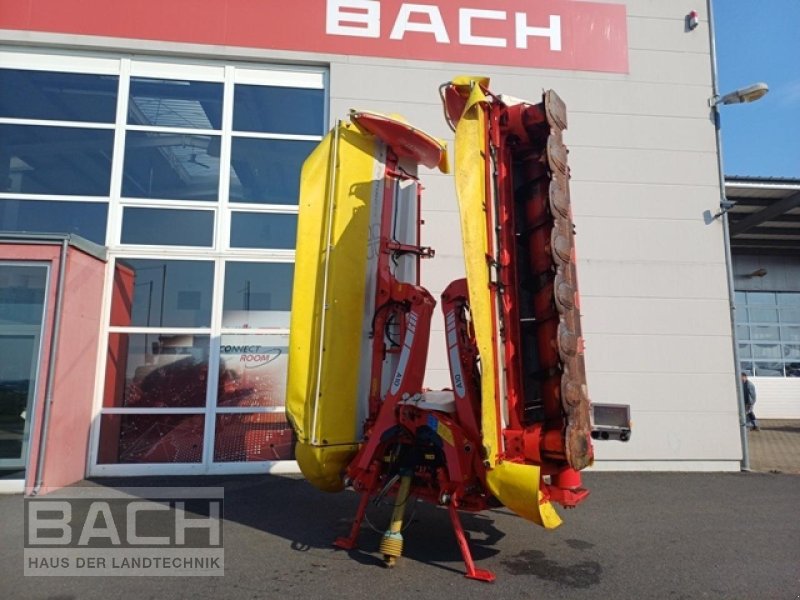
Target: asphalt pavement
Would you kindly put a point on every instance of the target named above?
(639, 535)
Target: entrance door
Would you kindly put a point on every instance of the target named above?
(22, 296)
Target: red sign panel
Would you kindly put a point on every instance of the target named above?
(548, 34)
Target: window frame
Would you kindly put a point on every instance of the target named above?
(744, 311)
(229, 73)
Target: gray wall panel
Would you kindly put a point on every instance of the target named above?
(654, 316)
(643, 132)
(639, 279)
(673, 201)
(675, 242)
(652, 273)
(783, 273)
(643, 166)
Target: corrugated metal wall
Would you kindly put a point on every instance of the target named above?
(777, 397)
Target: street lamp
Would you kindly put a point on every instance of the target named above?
(750, 93)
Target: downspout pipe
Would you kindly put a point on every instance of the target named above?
(745, 465)
(51, 368)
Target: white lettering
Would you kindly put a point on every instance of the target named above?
(553, 32)
(109, 531)
(363, 18)
(211, 523)
(37, 523)
(135, 508)
(434, 25)
(465, 18)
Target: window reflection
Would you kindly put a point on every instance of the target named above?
(58, 96)
(267, 171)
(17, 384)
(172, 166)
(156, 370)
(761, 298)
(790, 315)
(789, 298)
(793, 369)
(155, 438)
(253, 370)
(771, 369)
(766, 351)
(257, 295)
(763, 315)
(791, 351)
(252, 437)
(55, 160)
(175, 103)
(272, 109)
(87, 219)
(161, 226)
(773, 335)
(764, 332)
(162, 293)
(263, 230)
(22, 298)
(22, 290)
(790, 334)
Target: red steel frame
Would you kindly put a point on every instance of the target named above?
(397, 432)
(457, 480)
(517, 144)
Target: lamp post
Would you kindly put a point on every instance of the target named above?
(747, 94)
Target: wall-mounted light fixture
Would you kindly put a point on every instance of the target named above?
(751, 93)
(692, 20)
(760, 272)
(724, 206)
(747, 94)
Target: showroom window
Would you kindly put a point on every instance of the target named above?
(56, 150)
(189, 174)
(768, 333)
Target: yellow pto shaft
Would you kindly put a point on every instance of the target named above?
(392, 541)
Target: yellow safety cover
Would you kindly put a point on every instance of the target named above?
(515, 485)
(328, 303)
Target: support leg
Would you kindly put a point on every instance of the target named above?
(472, 572)
(350, 542)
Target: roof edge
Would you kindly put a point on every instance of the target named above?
(88, 247)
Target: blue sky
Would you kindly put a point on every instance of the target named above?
(760, 41)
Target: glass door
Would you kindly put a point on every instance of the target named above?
(22, 297)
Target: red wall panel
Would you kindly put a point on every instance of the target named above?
(593, 35)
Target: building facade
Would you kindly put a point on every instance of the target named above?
(172, 133)
(765, 242)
